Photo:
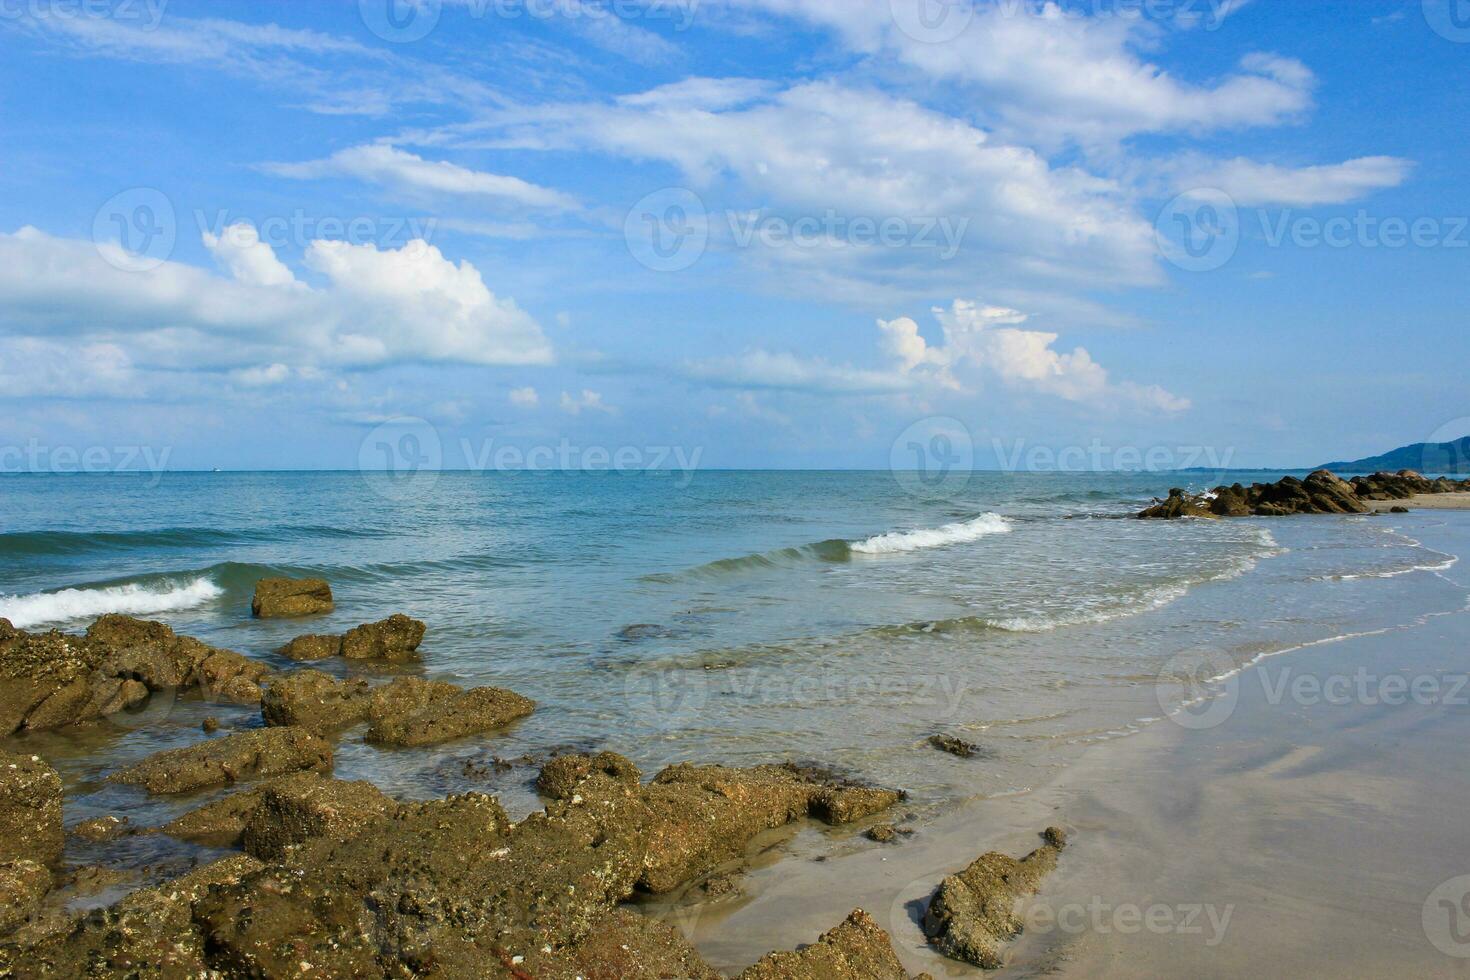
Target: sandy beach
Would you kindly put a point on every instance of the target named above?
(1304, 824)
(1425, 501)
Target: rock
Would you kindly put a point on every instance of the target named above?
(625, 945)
(277, 598)
(315, 701)
(858, 949)
(1330, 495)
(883, 833)
(395, 638)
(100, 830)
(954, 746)
(411, 711)
(245, 755)
(150, 933)
(313, 646)
(23, 887)
(973, 913)
(1179, 504)
(702, 816)
(220, 823)
(227, 676)
(210, 725)
(1398, 510)
(561, 776)
(1232, 501)
(30, 810)
(298, 808)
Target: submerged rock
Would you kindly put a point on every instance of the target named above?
(973, 913)
(394, 638)
(858, 949)
(30, 810)
(220, 761)
(280, 598)
(411, 711)
(313, 646)
(314, 700)
(220, 823)
(954, 746)
(100, 830)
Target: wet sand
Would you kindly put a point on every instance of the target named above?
(1425, 501)
(1304, 834)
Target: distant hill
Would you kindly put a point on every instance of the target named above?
(1426, 457)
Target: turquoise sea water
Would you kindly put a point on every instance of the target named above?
(737, 617)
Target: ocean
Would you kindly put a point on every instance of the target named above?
(737, 617)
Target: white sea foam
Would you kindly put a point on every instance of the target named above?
(38, 608)
(960, 533)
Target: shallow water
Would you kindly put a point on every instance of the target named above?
(741, 617)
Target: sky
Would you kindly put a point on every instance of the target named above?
(737, 233)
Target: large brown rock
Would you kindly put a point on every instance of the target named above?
(220, 761)
(972, 914)
(1179, 504)
(279, 598)
(561, 776)
(858, 949)
(394, 638)
(314, 700)
(411, 711)
(298, 808)
(30, 810)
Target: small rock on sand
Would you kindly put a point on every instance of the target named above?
(973, 913)
(220, 761)
(858, 949)
(279, 598)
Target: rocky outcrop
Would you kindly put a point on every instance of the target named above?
(30, 810)
(972, 914)
(858, 949)
(561, 776)
(306, 806)
(54, 680)
(395, 638)
(315, 701)
(282, 598)
(1319, 493)
(954, 746)
(411, 711)
(221, 761)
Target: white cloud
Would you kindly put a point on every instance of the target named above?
(1065, 76)
(264, 376)
(525, 397)
(588, 401)
(1251, 183)
(380, 163)
(979, 341)
(377, 307)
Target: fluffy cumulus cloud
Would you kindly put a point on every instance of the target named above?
(980, 343)
(380, 163)
(372, 307)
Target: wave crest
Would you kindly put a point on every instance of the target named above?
(895, 542)
(133, 598)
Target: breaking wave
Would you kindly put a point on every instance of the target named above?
(133, 598)
(963, 532)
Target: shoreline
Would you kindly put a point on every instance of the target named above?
(1277, 840)
(1457, 500)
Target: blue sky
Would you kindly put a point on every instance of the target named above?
(772, 232)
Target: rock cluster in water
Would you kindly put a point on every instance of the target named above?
(336, 878)
(1319, 493)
